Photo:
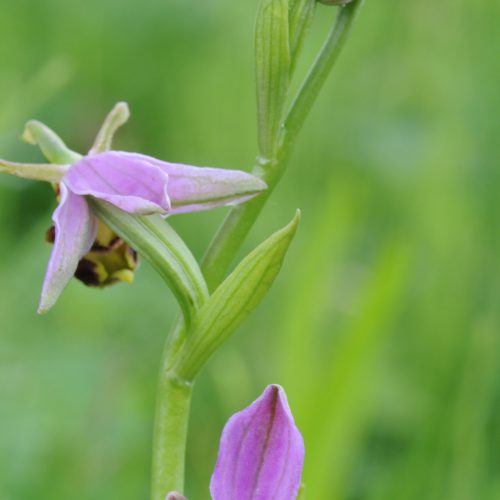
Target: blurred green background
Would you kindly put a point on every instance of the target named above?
(384, 326)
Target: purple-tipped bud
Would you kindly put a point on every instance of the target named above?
(261, 452)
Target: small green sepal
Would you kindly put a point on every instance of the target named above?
(117, 117)
(51, 145)
(34, 171)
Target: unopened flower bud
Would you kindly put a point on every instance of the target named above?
(261, 452)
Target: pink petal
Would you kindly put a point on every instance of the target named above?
(131, 184)
(192, 189)
(261, 452)
(75, 231)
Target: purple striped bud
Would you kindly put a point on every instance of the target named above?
(261, 452)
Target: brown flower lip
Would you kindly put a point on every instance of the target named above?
(109, 261)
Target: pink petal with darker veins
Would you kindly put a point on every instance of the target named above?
(192, 189)
(133, 185)
(75, 231)
(261, 452)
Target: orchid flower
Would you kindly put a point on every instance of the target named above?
(132, 182)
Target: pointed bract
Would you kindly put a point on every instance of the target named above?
(261, 452)
(75, 230)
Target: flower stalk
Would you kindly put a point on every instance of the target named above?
(229, 238)
(240, 220)
(170, 434)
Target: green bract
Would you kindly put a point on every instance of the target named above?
(233, 301)
(272, 65)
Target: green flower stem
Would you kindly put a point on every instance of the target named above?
(170, 436)
(169, 446)
(321, 68)
(170, 427)
(240, 220)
